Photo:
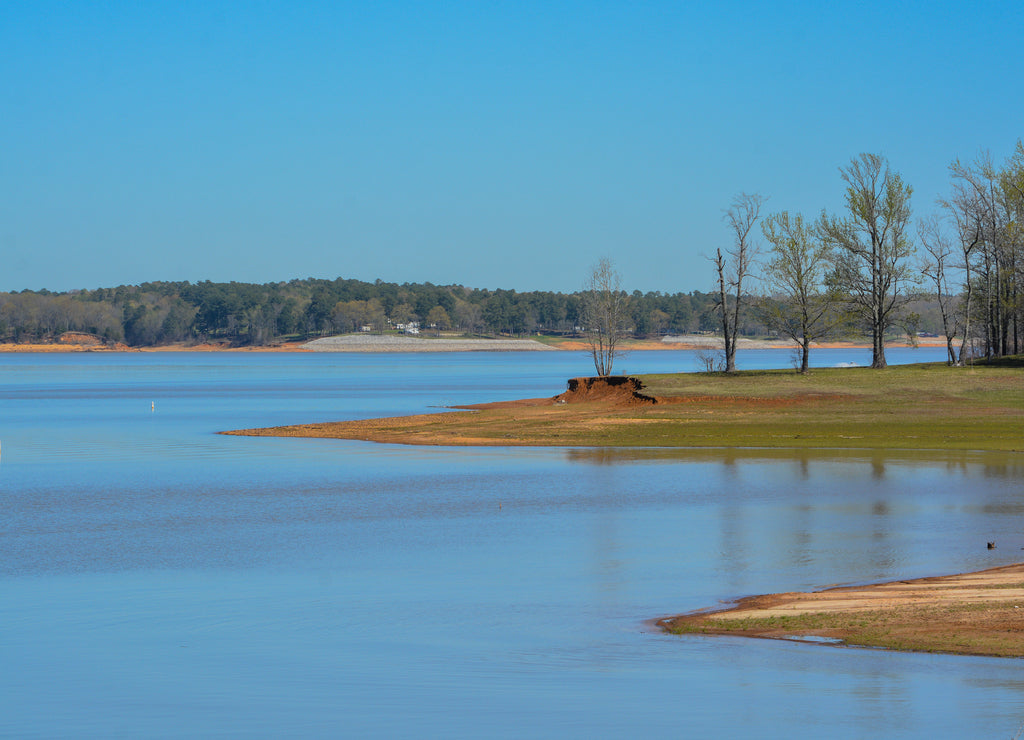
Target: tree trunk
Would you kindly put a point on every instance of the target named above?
(727, 329)
(878, 344)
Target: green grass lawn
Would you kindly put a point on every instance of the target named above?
(925, 406)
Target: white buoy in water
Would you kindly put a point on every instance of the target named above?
(152, 405)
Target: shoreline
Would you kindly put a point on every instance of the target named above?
(388, 343)
(977, 613)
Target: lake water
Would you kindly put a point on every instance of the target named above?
(157, 579)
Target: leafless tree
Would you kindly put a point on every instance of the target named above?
(1012, 182)
(967, 212)
(988, 204)
(936, 266)
(734, 266)
(605, 310)
(976, 189)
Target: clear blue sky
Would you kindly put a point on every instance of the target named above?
(491, 144)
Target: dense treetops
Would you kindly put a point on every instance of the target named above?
(244, 313)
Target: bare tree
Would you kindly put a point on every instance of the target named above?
(734, 266)
(799, 305)
(1012, 182)
(988, 204)
(976, 193)
(872, 244)
(966, 210)
(605, 308)
(936, 266)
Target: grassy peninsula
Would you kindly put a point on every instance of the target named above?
(910, 407)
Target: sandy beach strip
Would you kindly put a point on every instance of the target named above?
(389, 343)
(392, 343)
(979, 613)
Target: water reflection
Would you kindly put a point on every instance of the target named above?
(990, 464)
(878, 466)
(800, 551)
(734, 546)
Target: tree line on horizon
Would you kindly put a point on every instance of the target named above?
(158, 313)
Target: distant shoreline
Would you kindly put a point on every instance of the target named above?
(389, 343)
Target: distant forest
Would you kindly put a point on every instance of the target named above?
(247, 314)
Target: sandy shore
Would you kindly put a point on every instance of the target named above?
(81, 347)
(972, 613)
(391, 343)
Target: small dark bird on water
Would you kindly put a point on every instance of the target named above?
(991, 545)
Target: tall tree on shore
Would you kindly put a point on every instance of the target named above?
(967, 212)
(605, 311)
(873, 247)
(799, 304)
(1012, 182)
(733, 267)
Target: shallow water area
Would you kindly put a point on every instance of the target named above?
(158, 579)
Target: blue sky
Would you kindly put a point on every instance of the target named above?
(489, 144)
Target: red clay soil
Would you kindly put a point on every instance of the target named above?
(616, 391)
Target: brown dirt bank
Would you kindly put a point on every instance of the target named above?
(619, 390)
(590, 398)
(972, 613)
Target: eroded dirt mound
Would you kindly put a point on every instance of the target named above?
(618, 389)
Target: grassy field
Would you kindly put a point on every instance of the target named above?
(910, 407)
(927, 406)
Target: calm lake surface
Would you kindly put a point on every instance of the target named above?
(157, 579)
